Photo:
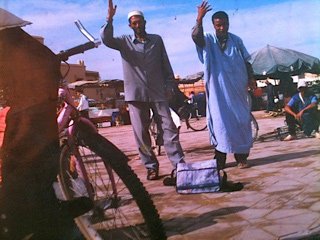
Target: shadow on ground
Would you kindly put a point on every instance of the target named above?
(184, 225)
(282, 157)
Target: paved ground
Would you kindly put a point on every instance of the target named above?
(280, 199)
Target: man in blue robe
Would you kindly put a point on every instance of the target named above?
(227, 76)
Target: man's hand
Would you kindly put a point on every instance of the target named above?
(111, 10)
(298, 116)
(169, 93)
(202, 11)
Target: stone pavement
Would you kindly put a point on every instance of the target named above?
(280, 199)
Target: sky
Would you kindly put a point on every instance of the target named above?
(293, 24)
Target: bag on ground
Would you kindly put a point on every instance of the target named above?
(203, 177)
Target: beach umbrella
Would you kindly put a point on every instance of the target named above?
(273, 62)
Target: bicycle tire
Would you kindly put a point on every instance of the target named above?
(132, 215)
(270, 136)
(276, 134)
(254, 127)
(197, 123)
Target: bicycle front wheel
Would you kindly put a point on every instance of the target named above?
(125, 213)
(197, 123)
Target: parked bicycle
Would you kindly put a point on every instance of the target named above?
(156, 131)
(195, 120)
(92, 166)
(194, 117)
(279, 133)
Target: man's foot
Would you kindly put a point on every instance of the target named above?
(243, 165)
(317, 135)
(290, 138)
(152, 174)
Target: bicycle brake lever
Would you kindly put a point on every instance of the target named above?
(86, 33)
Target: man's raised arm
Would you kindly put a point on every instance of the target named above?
(106, 31)
(197, 30)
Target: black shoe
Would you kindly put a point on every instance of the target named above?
(221, 164)
(169, 181)
(77, 206)
(152, 174)
(231, 187)
(172, 180)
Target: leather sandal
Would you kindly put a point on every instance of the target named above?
(152, 174)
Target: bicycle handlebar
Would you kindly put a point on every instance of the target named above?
(64, 55)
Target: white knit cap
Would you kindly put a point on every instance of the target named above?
(9, 20)
(135, 13)
(301, 83)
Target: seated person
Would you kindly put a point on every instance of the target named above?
(303, 109)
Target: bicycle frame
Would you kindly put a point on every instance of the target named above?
(69, 118)
(68, 125)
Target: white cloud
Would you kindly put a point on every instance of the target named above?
(290, 24)
(293, 24)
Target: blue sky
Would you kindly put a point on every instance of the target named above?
(291, 24)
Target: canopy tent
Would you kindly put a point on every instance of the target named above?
(273, 62)
(80, 83)
(190, 79)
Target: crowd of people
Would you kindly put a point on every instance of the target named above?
(149, 83)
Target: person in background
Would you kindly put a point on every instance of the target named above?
(270, 97)
(257, 96)
(288, 89)
(191, 97)
(83, 106)
(303, 109)
(228, 75)
(148, 80)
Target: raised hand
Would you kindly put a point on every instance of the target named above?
(202, 10)
(111, 10)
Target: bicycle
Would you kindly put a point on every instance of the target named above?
(191, 114)
(156, 131)
(197, 122)
(92, 166)
(279, 133)
(196, 119)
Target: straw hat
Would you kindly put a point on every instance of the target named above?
(9, 20)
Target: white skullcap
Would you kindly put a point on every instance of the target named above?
(301, 83)
(135, 13)
(9, 20)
